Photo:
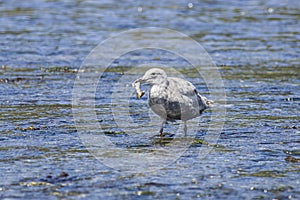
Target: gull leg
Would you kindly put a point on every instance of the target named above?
(162, 128)
(185, 128)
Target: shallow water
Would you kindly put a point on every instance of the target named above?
(255, 44)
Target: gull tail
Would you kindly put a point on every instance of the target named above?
(204, 103)
(208, 103)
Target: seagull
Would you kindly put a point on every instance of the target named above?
(172, 98)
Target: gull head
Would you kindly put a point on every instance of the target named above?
(153, 76)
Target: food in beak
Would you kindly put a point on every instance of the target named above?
(139, 93)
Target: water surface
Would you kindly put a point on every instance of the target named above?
(255, 44)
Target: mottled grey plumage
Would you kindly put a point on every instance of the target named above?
(173, 98)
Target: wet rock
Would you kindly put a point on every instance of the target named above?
(63, 174)
(28, 128)
(34, 183)
(290, 127)
(292, 159)
(62, 177)
(59, 69)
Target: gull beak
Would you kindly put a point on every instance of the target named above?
(137, 80)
